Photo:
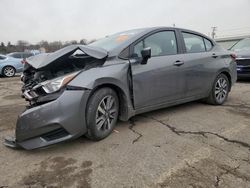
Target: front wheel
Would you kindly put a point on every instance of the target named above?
(220, 90)
(102, 113)
(8, 71)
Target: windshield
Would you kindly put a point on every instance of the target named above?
(242, 45)
(111, 42)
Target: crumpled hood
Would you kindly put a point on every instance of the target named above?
(42, 60)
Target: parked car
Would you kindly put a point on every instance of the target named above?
(9, 66)
(83, 90)
(242, 50)
(20, 55)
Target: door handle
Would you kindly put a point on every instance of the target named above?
(178, 63)
(214, 55)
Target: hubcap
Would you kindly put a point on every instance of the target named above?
(221, 89)
(106, 113)
(9, 71)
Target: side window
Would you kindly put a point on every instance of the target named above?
(194, 43)
(208, 44)
(161, 43)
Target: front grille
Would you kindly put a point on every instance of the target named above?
(56, 134)
(243, 62)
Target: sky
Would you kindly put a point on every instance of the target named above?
(65, 20)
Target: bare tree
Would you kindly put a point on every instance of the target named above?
(22, 45)
(83, 41)
(3, 48)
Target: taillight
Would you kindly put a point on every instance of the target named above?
(233, 56)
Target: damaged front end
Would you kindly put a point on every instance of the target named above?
(55, 108)
(45, 75)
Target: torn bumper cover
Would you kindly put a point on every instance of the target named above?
(57, 109)
(60, 120)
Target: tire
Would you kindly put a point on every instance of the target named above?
(8, 71)
(220, 90)
(102, 113)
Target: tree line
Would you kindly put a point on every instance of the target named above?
(22, 45)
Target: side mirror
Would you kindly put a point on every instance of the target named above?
(146, 54)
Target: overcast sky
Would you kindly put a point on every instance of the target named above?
(36, 20)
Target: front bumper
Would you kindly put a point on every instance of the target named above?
(243, 67)
(56, 121)
(243, 71)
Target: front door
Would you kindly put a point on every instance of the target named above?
(162, 79)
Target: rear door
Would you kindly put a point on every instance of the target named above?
(162, 79)
(199, 63)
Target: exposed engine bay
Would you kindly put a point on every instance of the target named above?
(46, 81)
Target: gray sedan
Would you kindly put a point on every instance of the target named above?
(83, 90)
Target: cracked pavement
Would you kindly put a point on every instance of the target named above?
(190, 145)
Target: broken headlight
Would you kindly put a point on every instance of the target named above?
(56, 84)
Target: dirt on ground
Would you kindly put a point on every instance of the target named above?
(190, 145)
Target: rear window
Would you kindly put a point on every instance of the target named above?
(15, 55)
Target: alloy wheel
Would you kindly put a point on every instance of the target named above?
(9, 71)
(221, 89)
(106, 113)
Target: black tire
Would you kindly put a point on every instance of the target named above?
(100, 124)
(217, 90)
(8, 71)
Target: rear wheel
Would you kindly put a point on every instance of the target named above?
(102, 113)
(220, 90)
(8, 71)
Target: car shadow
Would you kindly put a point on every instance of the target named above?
(15, 76)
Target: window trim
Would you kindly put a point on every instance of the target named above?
(124, 51)
(206, 46)
(185, 43)
(181, 48)
(203, 37)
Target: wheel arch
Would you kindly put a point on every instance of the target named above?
(125, 107)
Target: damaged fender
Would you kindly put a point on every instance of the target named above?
(53, 117)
